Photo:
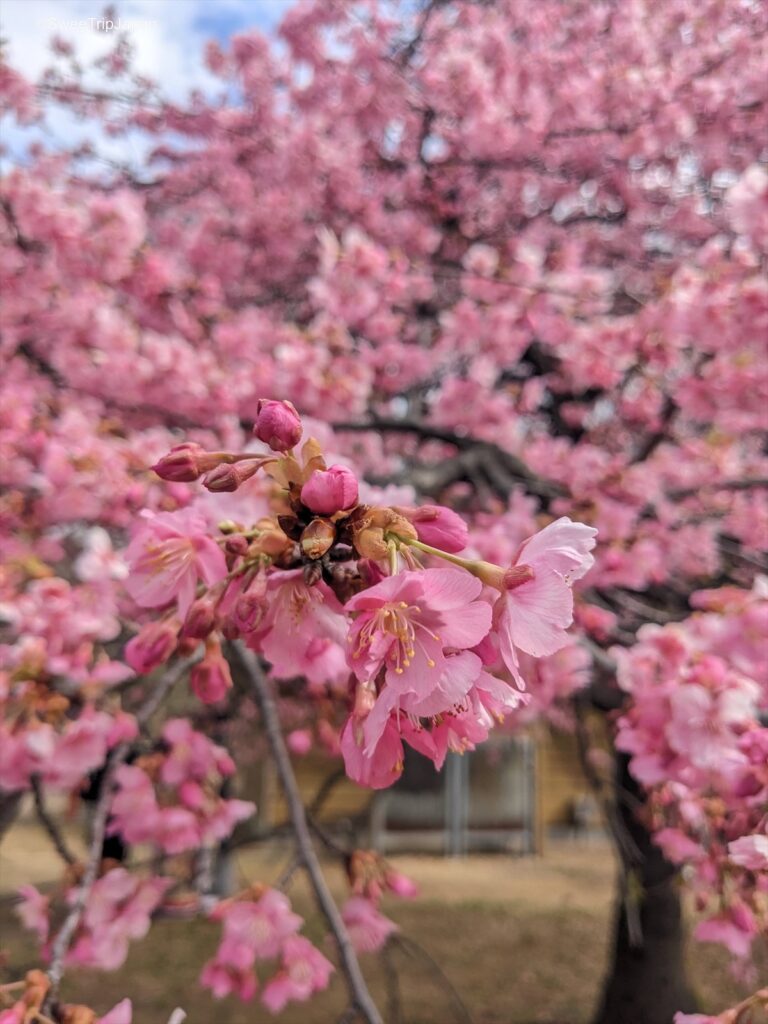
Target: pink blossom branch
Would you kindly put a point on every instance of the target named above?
(359, 995)
(116, 757)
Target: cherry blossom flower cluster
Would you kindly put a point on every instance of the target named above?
(371, 877)
(697, 743)
(119, 909)
(329, 588)
(172, 798)
(259, 925)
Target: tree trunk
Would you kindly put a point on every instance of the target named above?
(646, 982)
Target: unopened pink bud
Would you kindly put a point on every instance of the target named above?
(277, 424)
(299, 741)
(249, 610)
(201, 618)
(185, 463)
(236, 545)
(330, 490)
(229, 478)
(438, 526)
(401, 885)
(151, 647)
(210, 678)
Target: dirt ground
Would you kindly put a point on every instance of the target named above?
(522, 940)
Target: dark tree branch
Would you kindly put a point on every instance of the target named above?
(474, 455)
(49, 824)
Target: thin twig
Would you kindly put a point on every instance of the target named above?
(415, 950)
(324, 791)
(50, 826)
(286, 876)
(394, 1000)
(359, 995)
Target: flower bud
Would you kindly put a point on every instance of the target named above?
(317, 538)
(438, 526)
(401, 885)
(236, 545)
(368, 527)
(229, 478)
(271, 539)
(152, 646)
(201, 618)
(249, 610)
(277, 424)
(330, 490)
(186, 462)
(210, 678)
(299, 742)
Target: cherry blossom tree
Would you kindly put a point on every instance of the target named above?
(428, 332)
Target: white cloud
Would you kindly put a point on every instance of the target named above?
(168, 37)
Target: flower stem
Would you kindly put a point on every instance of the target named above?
(464, 563)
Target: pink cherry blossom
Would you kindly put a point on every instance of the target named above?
(210, 678)
(330, 491)
(438, 526)
(122, 1013)
(404, 625)
(750, 852)
(167, 557)
(304, 630)
(119, 910)
(536, 605)
(277, 424)
(304, 971)
(33, 911)
(152, 646)
(368, 928)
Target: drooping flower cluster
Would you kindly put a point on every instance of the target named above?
(41, 740)
(172, 798)
(696, 742)
(119, 909)
(329, 586)
(258, 926)
(370, 878)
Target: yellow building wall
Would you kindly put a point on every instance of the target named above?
(559, 782)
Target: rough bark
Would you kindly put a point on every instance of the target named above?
(646, 981)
